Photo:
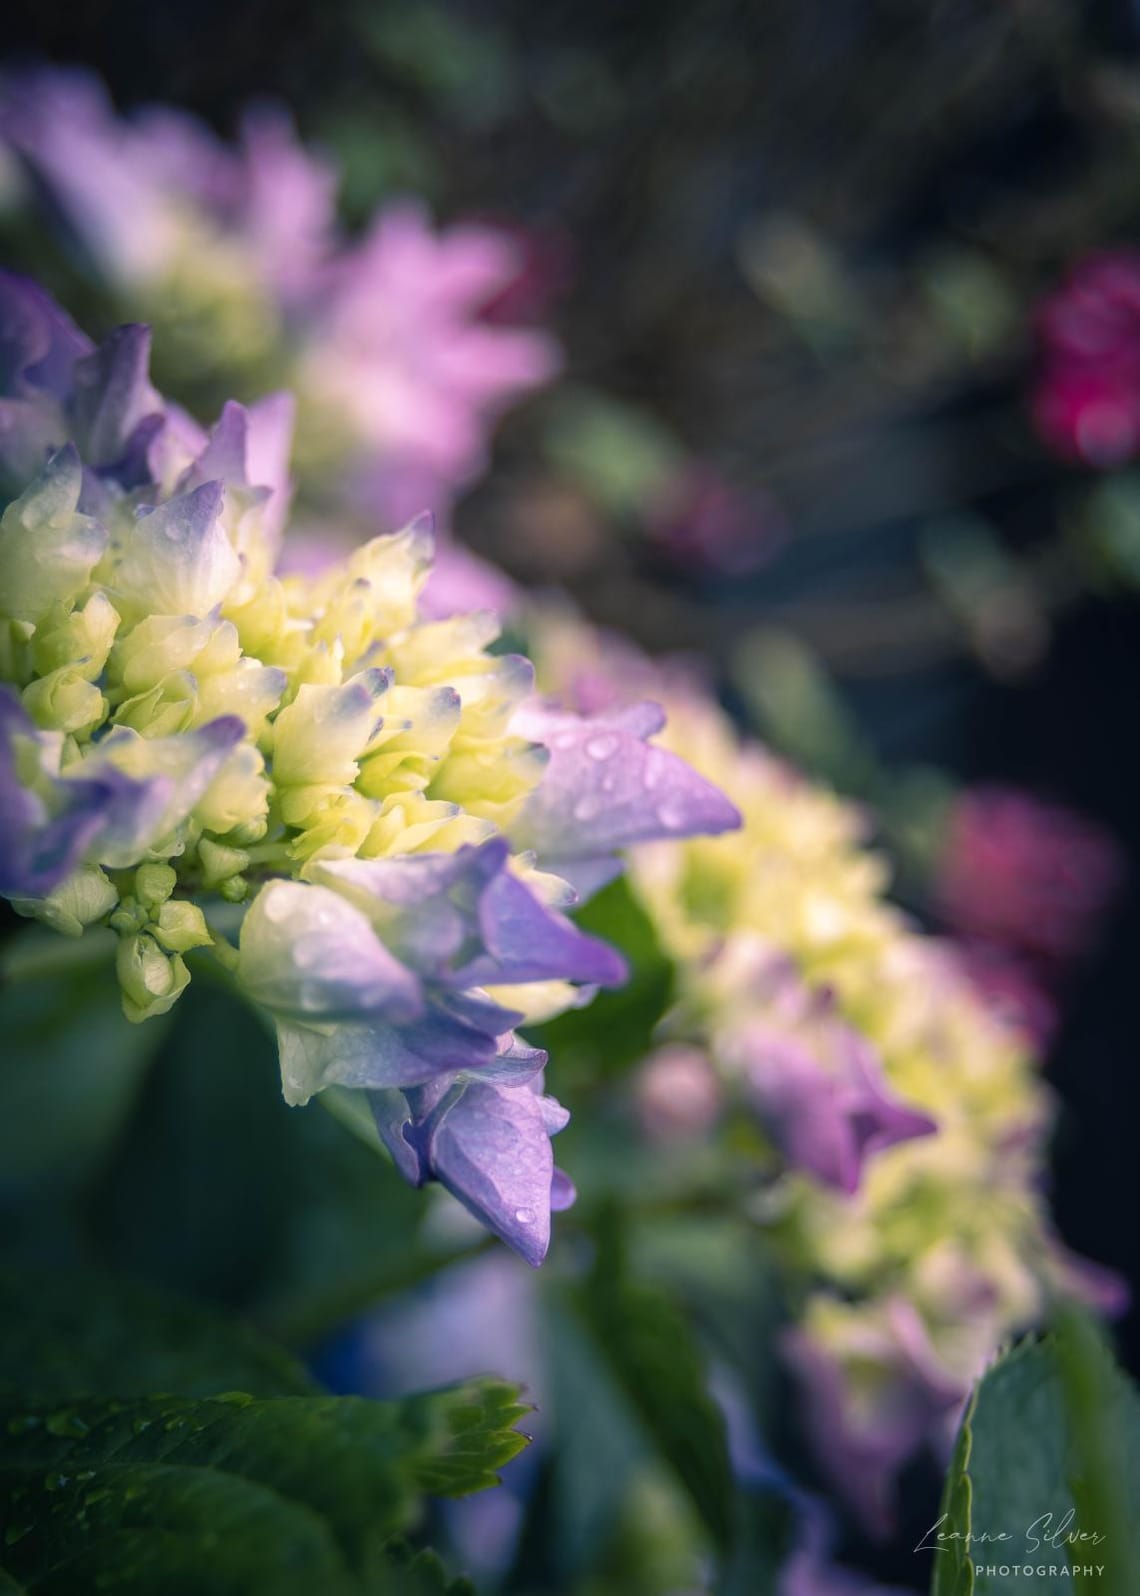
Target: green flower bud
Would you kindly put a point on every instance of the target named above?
(154, 883)
(47, 549)
(220, 863)
(181, 926)
(81, 639)
(65, 701)
(86, 896)
(152, 981)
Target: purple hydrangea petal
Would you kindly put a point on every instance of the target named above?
(515, 1063)
(563, 1192)
(378, 1054)
(112, 397)
(428, 902)
(309, 954)
(490, 1147)
(39, 343)
(166, 776)
(45, 835)
(526, 941)
(39, 348)
(393, 1117)
(817, 1085)
(248, 449)
(606, 787)
(177, 559)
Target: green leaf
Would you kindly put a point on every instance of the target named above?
(953, 1567)
(65, 1335)
(221, 1191)
(654, 1357)
(72, 1070)
(237, 1492)
(1049, 1449)
(616, 1030)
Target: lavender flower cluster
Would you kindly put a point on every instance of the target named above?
(190, 744)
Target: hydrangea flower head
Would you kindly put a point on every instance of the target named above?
(186, 735)
(902, 1120)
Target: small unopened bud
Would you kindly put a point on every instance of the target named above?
(86, 896)
(152, 981)
(181, 926)
(154, 883)
(677, 1094)
(220, 863)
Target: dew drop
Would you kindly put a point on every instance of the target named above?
(672, 815)
(604, 746)
(274, 906)
(525, 1216)
(586, 808)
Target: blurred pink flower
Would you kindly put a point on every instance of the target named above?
(1030, 876)
(398, 348)
(677, 1094)
(1086, 402)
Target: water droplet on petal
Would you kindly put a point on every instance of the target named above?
(672, 815)
(525, 1216)
(604, 746)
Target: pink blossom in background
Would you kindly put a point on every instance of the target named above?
(1086, 402)
(398, 350)
(677, 1096)
(1033, 877)
(160, 168)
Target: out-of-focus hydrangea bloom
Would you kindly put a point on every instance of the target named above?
(233, 255)
(1029, 876)
(1086, 402)
(904, 1121)
(185, 735)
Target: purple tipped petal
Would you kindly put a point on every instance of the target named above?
(46, 833)
(307, 953)
(393, 1118)
(39, 343)
(821, 1093)
(606, 787)
(177, 559)
(490, 1147)
(525, 941)
(112, 395)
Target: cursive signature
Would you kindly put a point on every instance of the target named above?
(1042, 1532)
